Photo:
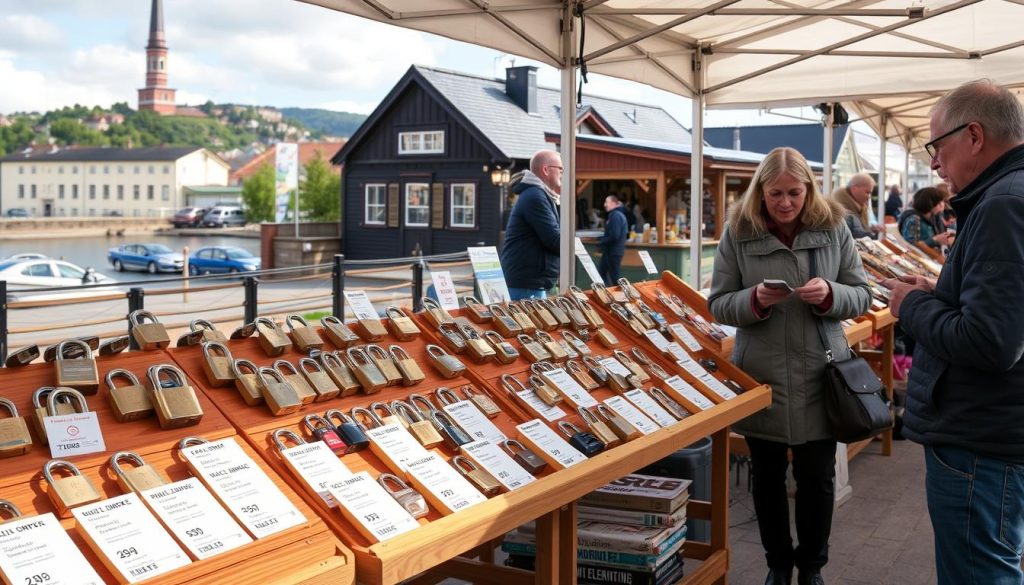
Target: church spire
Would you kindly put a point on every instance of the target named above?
(156, 26)
(156, 96)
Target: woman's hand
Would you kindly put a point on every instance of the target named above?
(767, 297)
(814, 292)
(945, 238)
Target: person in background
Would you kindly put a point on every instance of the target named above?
(529, 257)
(638, 216)
(917, 222)
(854, 198)
(613, 242)
(894, 204)
(773, 232)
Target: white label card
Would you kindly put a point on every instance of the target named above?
(474, 422)
(244, 488)
(645, 257)
(677, 351)
(498, 463)
(696, 370)
(613, 365)
(74, 434)
(195, 518)
(570, 388)
(394, 443)
(433, 474)
(360, 305)
(317, 466)
(444, 287)
(36, 550)
(551, 413)
(131, 539)
(648, 406)
(587, 262)
(543, 438)
(688, 392)
(489, 277)
(372, 506)
(683, 335)
(657, 339)
(632, 414)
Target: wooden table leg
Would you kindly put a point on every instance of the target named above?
(720, 497)
(567, 543)
(888, 347)
(546, 569)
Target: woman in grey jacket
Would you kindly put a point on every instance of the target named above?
(773, 231)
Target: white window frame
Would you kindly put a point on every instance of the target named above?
(437, 138)
(452, 206)
(379, 189)
(425, 204)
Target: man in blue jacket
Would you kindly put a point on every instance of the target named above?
(613, 242)
(529, 258)
(965, 395)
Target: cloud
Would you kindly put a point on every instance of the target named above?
(28, 32)
(28, 90)
(355, 107)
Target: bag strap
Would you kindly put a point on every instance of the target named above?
(829, 358)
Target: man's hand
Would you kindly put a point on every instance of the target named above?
(814, 292)
(767, 297)
(901, 286)
(945, 238)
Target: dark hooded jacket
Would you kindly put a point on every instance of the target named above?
(529, 258)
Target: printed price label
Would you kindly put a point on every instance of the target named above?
(74, 434)
(648, 406)
(317, 466)
(587, 262)
(551, 413)
(657, 339)
(449, 489)
(475, 423)
(680, 388)
(570, 388)
(645, 257)
(126, 533)
(683, 336)
(677, 351)
(195, 518)
(444, 287)
(360, 305)
(539, 437)
(613, 365)
(498, 463)
(489, 277)
(35, 550)
(370, 506)
(632, 414)
(395, 445)
(696, 370)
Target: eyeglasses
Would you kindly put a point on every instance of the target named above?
(554, 167)
(932, 148)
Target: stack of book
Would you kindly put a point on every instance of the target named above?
(630, 531)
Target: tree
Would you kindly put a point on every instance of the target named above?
(320, 193)
(258, 195)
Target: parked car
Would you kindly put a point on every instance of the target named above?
(47, 272)
(224, 217)
(16, 212)
(215, 260)
(152, 258)
(188, 217)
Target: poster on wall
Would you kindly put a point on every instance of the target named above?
(489, 277)
(286, 177)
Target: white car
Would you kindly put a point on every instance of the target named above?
(27, 256)
(25, 275)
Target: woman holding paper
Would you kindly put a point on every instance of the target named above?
(774, 231)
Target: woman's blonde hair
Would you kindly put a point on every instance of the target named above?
(816, 213)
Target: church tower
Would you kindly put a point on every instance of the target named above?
(156, 96)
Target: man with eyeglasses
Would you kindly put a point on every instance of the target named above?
(965, 394)
(529, 258)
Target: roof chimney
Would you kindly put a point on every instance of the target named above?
(521, 87)
(736, 138)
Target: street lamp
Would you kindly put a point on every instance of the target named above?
(500, 177)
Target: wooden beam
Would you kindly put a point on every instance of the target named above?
(644, 185)
(719, 204)
(660, 204)
(616, 175)
(582, 185)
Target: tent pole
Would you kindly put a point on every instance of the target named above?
(881, 171)
(697, 169)
(567, 219)
(906, 170)
(826, 153)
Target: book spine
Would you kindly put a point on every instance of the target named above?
(623, 542)
(605, 575)
(629, 502)
(516, 545)
(632, 517)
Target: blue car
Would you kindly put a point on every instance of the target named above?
(217, 260)
(152, 258)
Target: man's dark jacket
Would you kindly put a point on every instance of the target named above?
(529, 258)
(616, 229)
(966, 387)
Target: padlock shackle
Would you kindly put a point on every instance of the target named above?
(8, 511)
(334, 413)
(76, 342)
(385, 478)
(507, 381)
(198, 324)
(357, 355)
(430, 304)
(574, 367)
(237, 365)
(271, 372)
(285, 364)
(641, 357)
(306, 363)
(437, 415)
(129, 456)
(121, 373)
(414, 399)
(567, 428)
(210, 346)
(541, 367)
(311, 422)
(381, 406)
(658, 371)
(9, 406)
(173, 372)
(393, 309)
(459, 462)
(469, 391)
(605, 412)
(446, 395)
(59, 464)
(280, 435)
(490, 333)
(498, 310)
(471, 300)
(288, 321)
(398, 353)
(593, 363)
(587, 416)
(328, 356)
(468, 331)
(524, 339)
(71, 393)
(621, 356)
(331, 320)
(139, 316)
(379, 354)
(436, 351)
(367, 414)
(266, 322)
(191, 442)
(411, 414)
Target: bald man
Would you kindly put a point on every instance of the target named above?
(855, 198)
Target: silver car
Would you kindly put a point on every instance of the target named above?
(224, 217)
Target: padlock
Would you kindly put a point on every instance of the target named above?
(451, 337)
(319, 380)
(582, 377)
(322, 430)
(149, 336)
(559, 315)
(553, 348)
(14, 437)
(545, 391)
(68, 492)
(601, 294)
(272, 339)
(479, 477)
(533, 350)
(304, 337)
(296, 380)
(280, 436)
(504, 323)
(628, 320)
(576, 318)
(452, 434)
(387, 366)
(658, 372)
(599, 373)
(278, 394)
(482, 401)
(628, 289)
(541, 367)
(618, 296)
(337, 332)
(632, 366)
(80, 373)
(244, 331)
(619, 383)
(370, 328)
(400, 325)
(435, 313)
(191, 442)
(409, 499)
(422, 404)
(447, 365)
(592, 316)
(576, 343)
(582, 441)
(446, 396)
(407, 367)
(477, 311)
(347, 430)
(247, 381)
(336, 367)
(365, 418)
(576, 293)
(189, 339)
(73, 351)
(668, 303)
(139, 476)
(641, 358)
(668, 403)
(541, 316)
(526, 458)
(606, 338)
(130, 402)
(386, 416)
(513, 388)
(8, 511)
(639, 315)
(64, 406)
(368, 374)
(504, 352)
(173, 399)
(599, 428)
(60, 401)
(114, 346)
(478, 349)
(654, 316)
(522, 318)
(217, 361)
(22, 357)
(207, 330)
(422, 429)
(619, 425)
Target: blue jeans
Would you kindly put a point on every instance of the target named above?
(526, 293)
(976, 504)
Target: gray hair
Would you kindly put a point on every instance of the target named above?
(987, 103)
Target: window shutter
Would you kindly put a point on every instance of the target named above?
(437, 206)
(393, 203)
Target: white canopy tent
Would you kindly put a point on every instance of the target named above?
(739, 53)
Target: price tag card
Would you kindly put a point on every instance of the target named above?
(613, 365)
(632, 414)
(696, 370)
(494, 460)
(395, 446)
(570, 388)
(243, 487)
(475, 423)
(370, 508)
(74, 434)
(442, 485)
(657, 339)
(539, 438)
(489, 277)
(645, 257)
(444, 286)
(648, 406)
(124, 531)
(683, 336)
(195, 518)
(35, 550)
(360, 304)
(317, 466)
(587, 262)
(675, 350)
(691, 394)
(550, 413)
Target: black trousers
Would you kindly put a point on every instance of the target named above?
(608, 268)
(814, 470)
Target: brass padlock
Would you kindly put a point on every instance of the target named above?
(658, 372)
(635, 325)
(545, 391)
(453, 435)
(632, 366)
(8, 511)
(189, 339)
(217, 361)
(504, 323)
(14, 437)
(422, 404)
(80, 373)
(557, 312)
(278, 395)
(606, 338)
(480, 478)
(522, 318)
(601, 294)
(422, 429)
(149, 336)
(247, 381)
(139, 476)
(370, 328)
(272, 339)
(599, 428)
(386, 416)
(641, 358)
(319, 380)
(577, 320)
(640, 316)
(451, 337)
(70, 491)
(513, 387)
(504, 352)
(582, 377)
(73, 351)
(618, 296)
(296, 380)
(368, 374)
(174, 400)
(620, 426)
(541, 316)
(526, 458)
(592, 316)
(244, 331)
(386, 365)
(533, 350)
(407, 367)
(482, 401)
(576, 293)
(478, 349)
(599, 373)
(577, 344)
(477, 311)
(435, 313)
(39, 397)
(401, 326)
(409, 499)
(628, 289)
(207, 330)
(337, 332)
(114, 346)
(130, 402)
(619, 383)
(304, 337)
(447, 365)
(340, 373)
(62, 401)
(668, 403)
(553, 348)
(22, 357)
(583, 441)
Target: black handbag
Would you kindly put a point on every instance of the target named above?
(855, 401)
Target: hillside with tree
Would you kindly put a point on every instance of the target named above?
(326, 122)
